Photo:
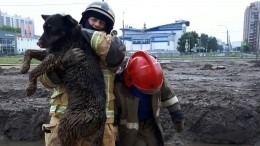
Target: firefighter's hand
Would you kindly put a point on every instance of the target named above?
(72, 57)
(178, 120)
(179, 126)
(87, 33)
(55, 76)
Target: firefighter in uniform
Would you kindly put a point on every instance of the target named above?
(97, 22)
(140, 89)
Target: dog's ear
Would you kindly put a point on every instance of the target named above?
(45, 17)
(69, 21)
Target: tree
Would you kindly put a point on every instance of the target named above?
(212, 44)
(192, 38)
(204, 38)
(189, 38)
(220, 48)
(246, 46)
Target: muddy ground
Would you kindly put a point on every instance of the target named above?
(219, 98)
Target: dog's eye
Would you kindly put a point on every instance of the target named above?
(50, 29)
(46, 27)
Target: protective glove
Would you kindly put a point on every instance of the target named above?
(55, 76)
(87, 33)
(116, 53)
(178, 120)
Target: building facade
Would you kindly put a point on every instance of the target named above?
(7, 42)
(24, 44)
(159, 38)
(25, 24)
(12, 43)
(251, 32)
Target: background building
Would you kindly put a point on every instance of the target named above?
(159, 38)
(7, 42)
(14, 42)
(25, 24)
(251, 25)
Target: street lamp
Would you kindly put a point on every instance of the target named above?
(142, 33)
(123, 28)
(186, 46)
(227, 36)
(141, 39)
(189, 42)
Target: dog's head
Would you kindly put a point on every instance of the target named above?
(55, 28)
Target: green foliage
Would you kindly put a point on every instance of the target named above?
(192, 38)
(204, 40)
(12, 29)
(188, 38)
(246, 47)
(212, 45)
(220, 48)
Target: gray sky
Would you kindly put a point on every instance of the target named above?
(205, 16)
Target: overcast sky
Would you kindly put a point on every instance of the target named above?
(213, 17)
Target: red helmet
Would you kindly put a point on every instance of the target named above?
(144, 72)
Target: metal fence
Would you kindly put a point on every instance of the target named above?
(202, 56)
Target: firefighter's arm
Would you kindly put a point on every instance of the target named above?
(110, 49)
(171, 102)
(117, 109)
(117, 89)
(50, 80)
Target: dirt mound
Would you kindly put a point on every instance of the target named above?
(21, 117)
(256, 63)
(221, 105)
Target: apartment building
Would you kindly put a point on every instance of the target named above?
(26, 24)
(251, 32)
(13, 42)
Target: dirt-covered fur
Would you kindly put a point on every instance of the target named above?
(85, 114)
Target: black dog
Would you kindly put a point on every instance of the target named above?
(85, 114)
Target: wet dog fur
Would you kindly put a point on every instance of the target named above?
(84, 82)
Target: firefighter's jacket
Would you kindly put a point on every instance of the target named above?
(111, 52)
(127, 111)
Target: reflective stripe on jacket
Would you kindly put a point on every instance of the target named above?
(104, 44)
(109, 77)
(59, 99)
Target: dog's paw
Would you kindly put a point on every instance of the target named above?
(24, 69)
(30, 90)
